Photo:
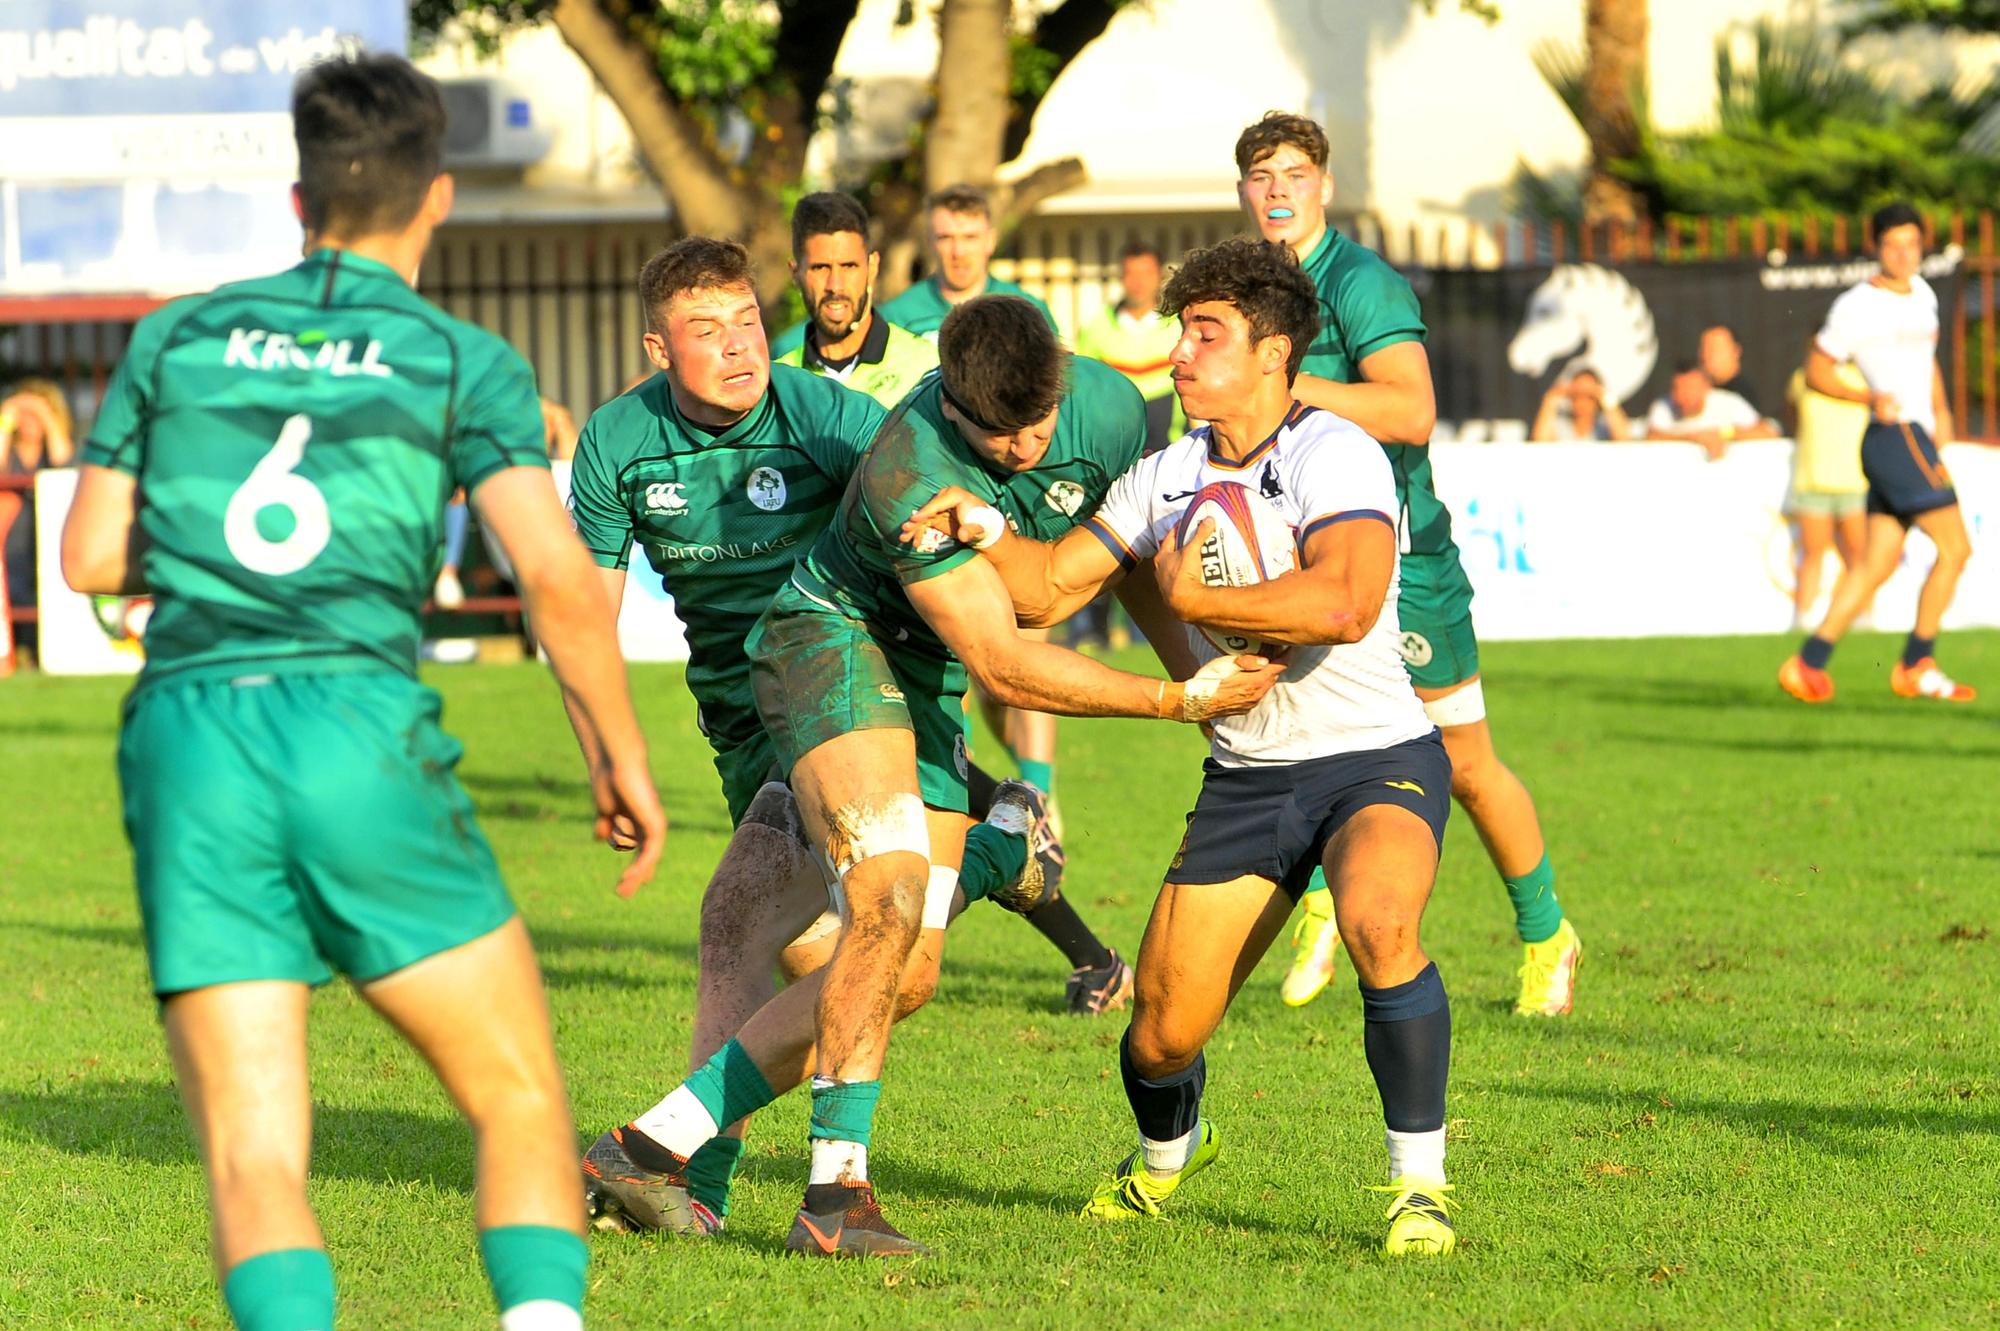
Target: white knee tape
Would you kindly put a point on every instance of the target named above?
(938, 894)
(877, 825)
(1460, 707)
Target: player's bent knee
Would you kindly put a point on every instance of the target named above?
(1160, 1048)
(775, 807)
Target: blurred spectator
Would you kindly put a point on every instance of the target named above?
(36, 431)
(558, 430)
(1722, 356)
(1828, 496)
(1135, 339)
(1576, 410)
(1696, 411)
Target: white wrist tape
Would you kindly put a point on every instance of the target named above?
(991, 524)
(1198, 692)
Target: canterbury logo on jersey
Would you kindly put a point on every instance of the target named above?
(260, 349)
(665, 497)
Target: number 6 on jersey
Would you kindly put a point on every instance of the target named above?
(274, 484)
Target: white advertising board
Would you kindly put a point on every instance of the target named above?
(79, 635)
(1638, 540)
(648, 628)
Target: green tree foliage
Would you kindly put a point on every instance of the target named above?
(1798, 131)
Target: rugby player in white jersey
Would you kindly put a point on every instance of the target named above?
(1338, 766)
(1887, 327)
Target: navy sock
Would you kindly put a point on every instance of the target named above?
(979, 788)
(1916, 649)
(1407, 1037)
(1816, 652)
(1058, 922)
(1168, 1108)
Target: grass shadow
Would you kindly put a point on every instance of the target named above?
(142, 1122)
(1843, 1129)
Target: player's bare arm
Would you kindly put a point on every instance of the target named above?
(565, 599)
(1334, 597)
(1941, 407)
(1823, 377)
(971, 613)
(1048, 580)
(1395, 401)
(102, 540)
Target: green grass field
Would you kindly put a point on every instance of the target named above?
(1777, 1103)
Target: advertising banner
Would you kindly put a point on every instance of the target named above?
(1643, 540)
(648, 628)
(1500, 337)
(145, 145)
(78, 634)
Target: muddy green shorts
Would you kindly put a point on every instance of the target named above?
(1434, 608)
(287, 824)
(819, 673)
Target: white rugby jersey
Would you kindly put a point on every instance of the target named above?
(1316, 469)
(1892, 339)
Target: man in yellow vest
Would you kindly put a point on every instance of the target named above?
(1135, 339)
(843, 337)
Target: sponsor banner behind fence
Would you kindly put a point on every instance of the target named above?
(1560, 540)
(648, 628)
(1638, 540)
(78, 634)
(1499, 337)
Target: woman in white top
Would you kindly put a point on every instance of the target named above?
(1887, 327)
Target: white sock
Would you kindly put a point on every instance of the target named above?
(1164, 1159)
(1418, 1155)
(541, 1315)
(838, 1162)
(680, 1122)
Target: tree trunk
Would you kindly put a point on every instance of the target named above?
(1614, 35)
(706, 197)
(974, 70)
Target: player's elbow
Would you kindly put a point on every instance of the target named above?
(990, 672)
(1420, 418)
(91, 567)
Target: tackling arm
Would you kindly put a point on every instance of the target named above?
(970, 610)
(1047, 582)
(1333, 597)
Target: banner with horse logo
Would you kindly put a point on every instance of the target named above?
(1500, 337)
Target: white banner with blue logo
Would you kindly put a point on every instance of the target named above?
(1653, 539)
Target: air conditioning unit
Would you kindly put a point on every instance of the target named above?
(490, 123)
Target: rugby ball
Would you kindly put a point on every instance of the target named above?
(1251, 543)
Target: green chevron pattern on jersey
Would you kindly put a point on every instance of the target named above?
(295, 439)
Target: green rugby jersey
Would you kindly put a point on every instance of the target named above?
(1364, 306)
(886, 368)
(721, 515)
(860, 563)
(923, 307)
(294, 439)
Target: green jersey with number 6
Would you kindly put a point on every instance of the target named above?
(295, 439)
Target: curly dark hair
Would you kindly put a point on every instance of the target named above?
(1277, 130)
(1262, 279)
(828, 214)
(1002, 366)
(692, 263)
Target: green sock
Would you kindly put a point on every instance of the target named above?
(730, 1085)
(710, 1171)
(1042, 776)
(534, 1264)
(843, 1110)
(287, 1290)
(992, 858)
(1537, 913)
